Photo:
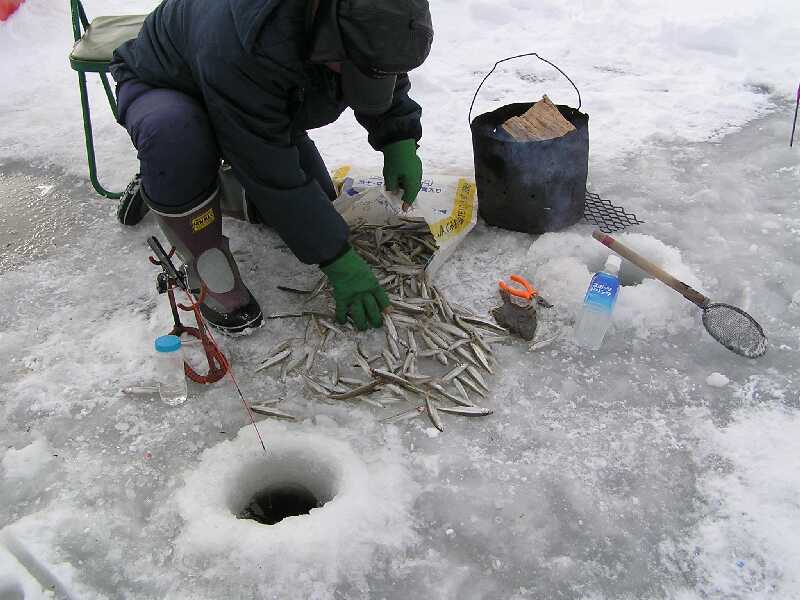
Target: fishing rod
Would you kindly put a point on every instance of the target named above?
(167, 281)
(794, 123)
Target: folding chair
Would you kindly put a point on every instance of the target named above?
(95, 42)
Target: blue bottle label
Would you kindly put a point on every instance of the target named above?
(602, 292)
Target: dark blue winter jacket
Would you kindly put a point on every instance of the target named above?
(246, 60)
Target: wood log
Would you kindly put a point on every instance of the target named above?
(542, 121)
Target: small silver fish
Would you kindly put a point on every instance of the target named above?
(467, 411)
(311, 357)
(269, 402)
(462, 391)
(485, 324)
(467, 381)
(406, 414)
(497, 339)
(404, 306)
(433, 413)
(330, 326)
(477, 339)
(451, 329)
(393, 347)
(274, 360)
(445, 394)
(268, 411)
(540, 344)
(466, 355)
(388, 359)
(401, 319)
(462, 310)
(317, 288)
(407, 363)
(453, 373)
(359, 391)
(424, 291)
(397, 379)
(437, 337)
(140, 390)
(457, 344)
(361, 361)
(280, 347)
(476, 375)
(391, 330)
(315, 385)
(412, 342)
(481, 357)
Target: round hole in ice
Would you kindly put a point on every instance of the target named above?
(290, 481)
(358, 505)
(629, 274)
(278, 501)
(562, 264)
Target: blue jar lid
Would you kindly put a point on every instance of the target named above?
(168, 343)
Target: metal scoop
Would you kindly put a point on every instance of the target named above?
(729, 325)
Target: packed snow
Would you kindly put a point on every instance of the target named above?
(660, 466)
(717, 380)
(26, 462)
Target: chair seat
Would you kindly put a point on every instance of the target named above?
(93, 51)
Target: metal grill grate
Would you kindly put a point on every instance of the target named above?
(606, 216)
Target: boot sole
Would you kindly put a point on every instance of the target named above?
(240, 330)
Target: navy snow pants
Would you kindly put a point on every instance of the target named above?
(178, 152)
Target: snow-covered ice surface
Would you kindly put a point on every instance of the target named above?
(627, 473)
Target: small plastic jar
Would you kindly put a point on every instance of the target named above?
(170, 374)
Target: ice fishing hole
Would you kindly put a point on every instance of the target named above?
(296, 478)
(277, 502)
(629, 274)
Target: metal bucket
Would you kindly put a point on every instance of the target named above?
(530, 186)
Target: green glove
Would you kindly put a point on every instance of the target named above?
(356, 291)
(403, 168)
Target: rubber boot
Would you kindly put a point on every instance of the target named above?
(197, 236)
(131, 207)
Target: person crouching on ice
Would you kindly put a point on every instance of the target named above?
(243, 81)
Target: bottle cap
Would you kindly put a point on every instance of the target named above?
(613, 264)
(168, 343)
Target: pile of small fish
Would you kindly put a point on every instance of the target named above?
(423, 332)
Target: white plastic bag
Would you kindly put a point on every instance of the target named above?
(448, 204)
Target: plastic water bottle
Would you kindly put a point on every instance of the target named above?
(598, 305)
(171, 378)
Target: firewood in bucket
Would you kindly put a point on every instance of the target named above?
(542, 121)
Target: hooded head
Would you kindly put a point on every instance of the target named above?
(374, 40)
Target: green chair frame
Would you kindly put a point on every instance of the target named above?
(111, 33)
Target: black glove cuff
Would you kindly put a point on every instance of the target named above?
(339, 255)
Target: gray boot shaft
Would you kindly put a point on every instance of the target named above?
(198, 240)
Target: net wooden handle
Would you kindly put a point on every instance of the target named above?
(645, 265)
